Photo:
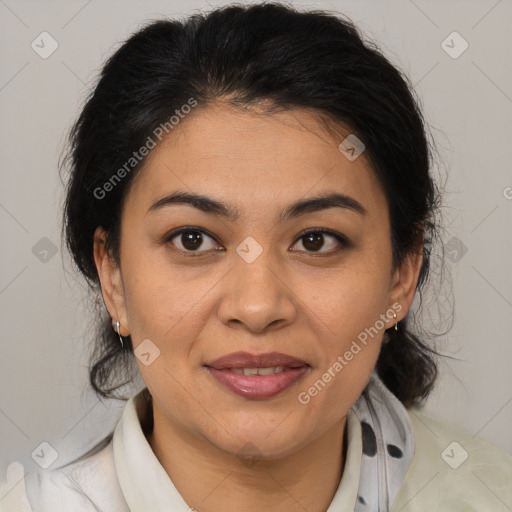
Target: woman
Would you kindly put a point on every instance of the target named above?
(250, 192)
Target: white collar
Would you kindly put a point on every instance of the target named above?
(147, 487)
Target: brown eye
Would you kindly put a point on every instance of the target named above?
(191, 240)
(314, 241)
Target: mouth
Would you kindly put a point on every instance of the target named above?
(257, 376)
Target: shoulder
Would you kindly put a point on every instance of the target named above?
(88, 485)
(453, 470)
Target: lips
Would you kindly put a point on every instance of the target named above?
(257, 376)
(246, 360)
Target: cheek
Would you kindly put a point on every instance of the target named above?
(165, 302)
(349, 300)
(349, 330)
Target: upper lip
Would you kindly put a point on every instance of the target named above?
(247, 360)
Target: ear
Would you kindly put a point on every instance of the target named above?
(405, 280)
(111, 282)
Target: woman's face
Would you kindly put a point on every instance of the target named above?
(253, 282)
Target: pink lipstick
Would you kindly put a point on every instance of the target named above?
(257, 376)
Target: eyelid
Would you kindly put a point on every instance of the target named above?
(339, 236)
(184, 229)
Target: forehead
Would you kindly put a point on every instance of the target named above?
(271, 159)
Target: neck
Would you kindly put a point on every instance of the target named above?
(212, 480)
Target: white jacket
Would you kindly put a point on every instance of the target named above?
(451, 471)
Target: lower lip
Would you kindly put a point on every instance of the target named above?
(258, 386)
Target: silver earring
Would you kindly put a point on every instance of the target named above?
(118, 325)
(396, 323)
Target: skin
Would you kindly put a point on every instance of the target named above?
(290, 299)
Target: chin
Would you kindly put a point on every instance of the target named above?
(268, 443)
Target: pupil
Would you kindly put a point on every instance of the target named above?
(314, 238)
(191, 240)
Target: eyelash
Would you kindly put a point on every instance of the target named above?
(342, 240)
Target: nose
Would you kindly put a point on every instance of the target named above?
(257, 296)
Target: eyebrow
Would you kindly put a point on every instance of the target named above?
(220, 209)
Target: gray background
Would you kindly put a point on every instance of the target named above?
(45, 311)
